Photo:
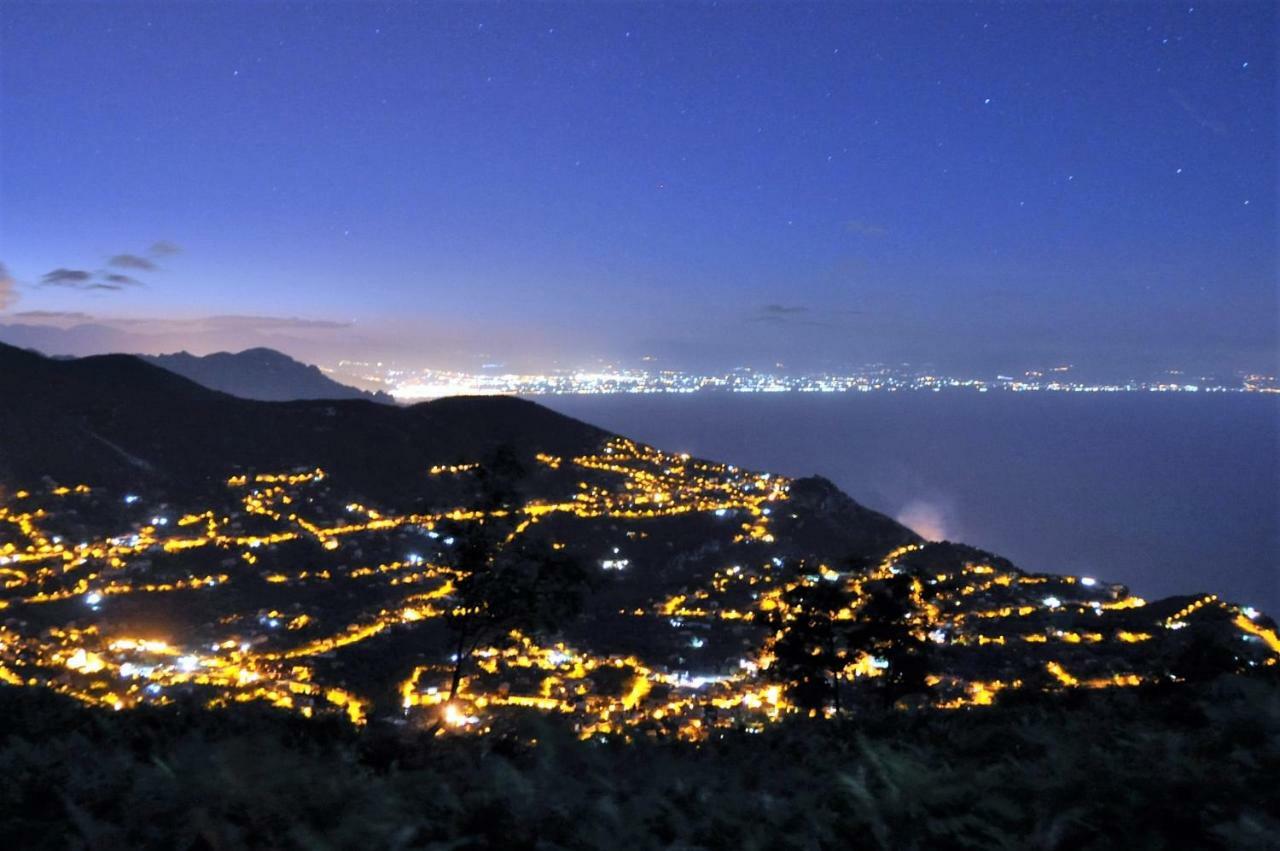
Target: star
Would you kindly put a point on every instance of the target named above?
(988, 100)
(1178, 171)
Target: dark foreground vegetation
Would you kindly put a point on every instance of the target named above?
(1189, 767)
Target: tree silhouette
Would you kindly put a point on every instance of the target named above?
(885, 627)
(811, 645)
(505, 582)
(822, 627)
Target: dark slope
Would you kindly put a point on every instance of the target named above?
(115, 420)
(262, 374)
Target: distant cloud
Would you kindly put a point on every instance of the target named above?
(132, 261)
(77, 333)
(864, 228)
(54, 316)
(782, 309)
(228, 322)
(165, 248)
(8, 289)
(102, 280)
(797, 314)
(274, 323)
(75, 278)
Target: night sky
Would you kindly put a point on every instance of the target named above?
(980, 186)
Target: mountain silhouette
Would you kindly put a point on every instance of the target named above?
(263, 374)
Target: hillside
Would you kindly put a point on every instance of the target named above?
(163, 541)
(262, 374)
(119, 421)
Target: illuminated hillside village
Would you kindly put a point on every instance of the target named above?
(287, 590)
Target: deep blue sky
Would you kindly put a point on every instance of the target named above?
(991, 186)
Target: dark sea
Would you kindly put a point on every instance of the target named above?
(1169, 494)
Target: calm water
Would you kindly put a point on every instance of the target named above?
(1168, 494)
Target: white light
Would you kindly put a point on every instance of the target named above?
(1088, 581)
(93, 598)
(1250, 612)
(128, 669)
(188, 663)
(696, 642)
(1052, 602)
(130, 499)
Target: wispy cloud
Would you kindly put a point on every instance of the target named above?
(201, 324)
(270, 323)
(121, 280)
(865, 228)
(105, 280)
(78, 333)
(798, 314)
(74, 278)
(782, 309)
(8, 289)
(132, 261)
(53, 316)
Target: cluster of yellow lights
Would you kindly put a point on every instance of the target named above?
(37, 567)
(452, 469)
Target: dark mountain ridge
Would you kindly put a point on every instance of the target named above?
(262, 374)
(117, 419)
